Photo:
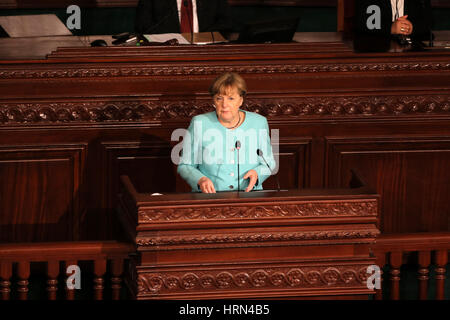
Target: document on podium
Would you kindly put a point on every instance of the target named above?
(164, 37)
(36, 25)
(188, 38)
(204, 37)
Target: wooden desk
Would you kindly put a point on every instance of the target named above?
(288, 244)
(38, 48)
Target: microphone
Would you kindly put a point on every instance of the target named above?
(238, 146)
(260, 153)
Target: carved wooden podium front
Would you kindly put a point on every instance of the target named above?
(287, 244)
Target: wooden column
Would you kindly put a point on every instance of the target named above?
(116, 279)
(70, 293)
(5, 276)
(424, 263)
(441, 262)
(396, 262)
(52, 282)
(99, 271)
(381, 261)
(23, 271)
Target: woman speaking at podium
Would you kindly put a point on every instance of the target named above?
(228, 149)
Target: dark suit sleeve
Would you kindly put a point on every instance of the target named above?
(214, 15)
(157, 16)
(420, 16)
(143, 16)
(223, 17)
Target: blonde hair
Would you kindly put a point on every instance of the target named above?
(226, 81)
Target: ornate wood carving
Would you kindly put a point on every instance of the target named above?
(281, 244)
(299, 209)
(152, 283)
(177, 70)
(373, 106)
(249, 237)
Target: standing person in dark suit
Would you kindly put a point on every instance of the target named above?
(408, 18)
(179, 16)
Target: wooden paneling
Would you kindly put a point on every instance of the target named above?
(39, 193)
(148, 163)
(390, 109)
(409, 173)
(294, 165)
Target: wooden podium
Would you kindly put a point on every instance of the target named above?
(276, 245)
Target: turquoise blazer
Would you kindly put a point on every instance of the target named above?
(209, 149)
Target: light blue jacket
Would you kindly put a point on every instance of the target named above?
(209, 149)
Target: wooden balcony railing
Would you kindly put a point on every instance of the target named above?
(431, 249)
(68, 253)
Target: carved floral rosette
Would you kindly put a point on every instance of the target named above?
(277, 278)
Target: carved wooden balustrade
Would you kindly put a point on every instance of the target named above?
(431, 248)
(20, 256)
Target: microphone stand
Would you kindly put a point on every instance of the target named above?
(260, 153)
(238, 146)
